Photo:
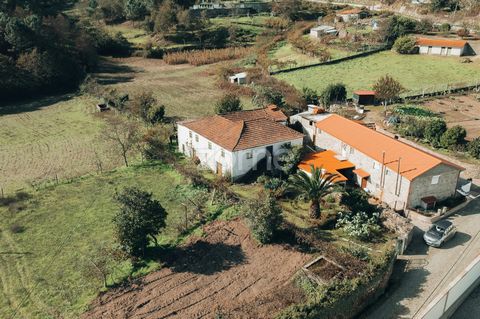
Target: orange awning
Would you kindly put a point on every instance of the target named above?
(360, 172)
(328, 161)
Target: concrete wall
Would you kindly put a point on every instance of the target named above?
(444, 305)
(438, 51)
(395, 188)
(445, 187)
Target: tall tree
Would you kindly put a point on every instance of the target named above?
(387, 89)
(312, 187)
(139, 219)
(228, 103)
(124, 135)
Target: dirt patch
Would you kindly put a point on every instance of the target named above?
(224, 272)
(461, 110)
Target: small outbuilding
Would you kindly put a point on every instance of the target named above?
(239, 78)
(348, 15)
(322, 30)
(364, 97)
(444, 47)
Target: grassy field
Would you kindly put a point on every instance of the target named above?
(413, 71)
(185, 90)
(50, 138)
(64, 228)
(135, 35)
(287, 52)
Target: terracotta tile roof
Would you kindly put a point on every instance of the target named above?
(237, 131)
(414, 162)
(270, 112)
(328, 161)
(360, 172)
(364, 92)
(441, 42)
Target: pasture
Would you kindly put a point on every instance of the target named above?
(415, 72)
(186, 91)
(52, 138)
(44, 264)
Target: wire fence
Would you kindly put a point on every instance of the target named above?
(441, 90)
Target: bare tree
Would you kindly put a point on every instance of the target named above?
(124, 134)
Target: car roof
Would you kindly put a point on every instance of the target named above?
(444, 223)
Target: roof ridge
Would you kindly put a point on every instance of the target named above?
(242, 128)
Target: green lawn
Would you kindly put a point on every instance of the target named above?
(65, 226)
(413, 71)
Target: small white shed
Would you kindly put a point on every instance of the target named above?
(239, 78)
(321, 30)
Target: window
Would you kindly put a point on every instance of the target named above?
(352, 150)
(190, 134)
(249, 155)
(183, 148)
(376, 165)
(196, 137)
(435, 179)
(209, 145)
(222, 153)
(310, 123)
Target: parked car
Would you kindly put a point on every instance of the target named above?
(439, 233)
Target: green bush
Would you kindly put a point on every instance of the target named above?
(474, 148)
(405, 45)
(434, 131)
(310, 96)
(412, 126)
(360, 225)
(453, 137)
(228, 103)
(356, 200)
(264, 217)
(333, 93)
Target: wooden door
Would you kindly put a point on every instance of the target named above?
(219, 169)
(364, 183)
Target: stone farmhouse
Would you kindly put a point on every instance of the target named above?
(233, 144)
(445, 47)
(396, 173)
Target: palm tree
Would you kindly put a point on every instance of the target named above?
(312, 187)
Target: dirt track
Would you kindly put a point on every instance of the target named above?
(225, 272)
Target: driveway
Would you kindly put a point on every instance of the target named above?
(425, 271)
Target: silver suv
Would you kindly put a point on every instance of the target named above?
(439, 233)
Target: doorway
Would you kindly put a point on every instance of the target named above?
(219, 169)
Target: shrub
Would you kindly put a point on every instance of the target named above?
(333, 93)
(434, 131)
(205, 56)
(360, 225)
(17, 229)
(453, 137)
(405, 45)
(264, 218)
(395, 27)
(412, 126)
(474, 147)
(356, 200)
(139, 219)
(290, 157)
(445, 27)
(310, 95)
(228, 103)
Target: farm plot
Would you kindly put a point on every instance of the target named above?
(51, 139)
(415, 72)
(459, 110)
(185, 90)
(223, 272)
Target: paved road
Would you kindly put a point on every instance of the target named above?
(426, 272)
